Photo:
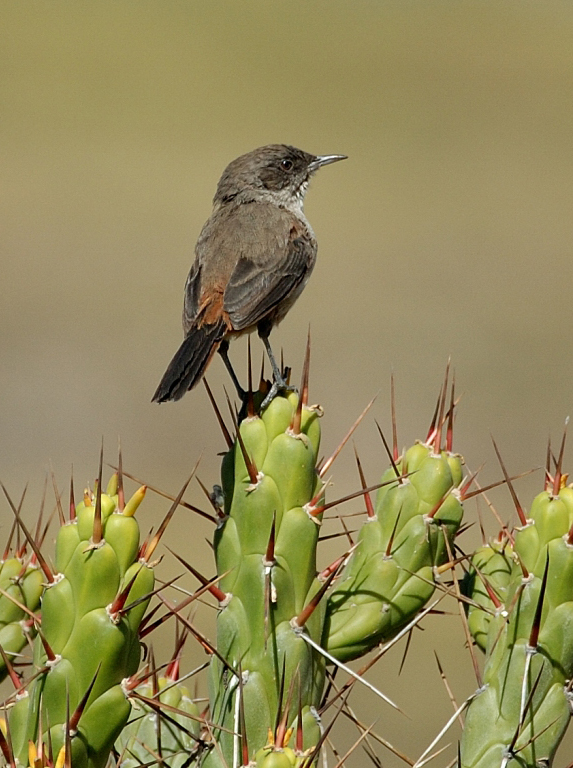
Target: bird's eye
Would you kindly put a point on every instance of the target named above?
(286, 165)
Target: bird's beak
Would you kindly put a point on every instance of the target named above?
(321, 160)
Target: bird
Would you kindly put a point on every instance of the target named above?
(253, 258)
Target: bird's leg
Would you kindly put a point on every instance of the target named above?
(279, 384)
(277, 373)
(224, 352)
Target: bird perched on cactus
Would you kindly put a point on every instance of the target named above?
(252, 260)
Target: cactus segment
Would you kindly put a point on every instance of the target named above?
(91, 650)
(267, 482)
(390, 576)
(285, 757)
(519, 716)
(22, 584)
(492, 564)
(148, 735)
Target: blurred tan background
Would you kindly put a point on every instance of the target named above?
(449, 231)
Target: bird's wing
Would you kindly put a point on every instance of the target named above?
(192, 296)
(255, 288)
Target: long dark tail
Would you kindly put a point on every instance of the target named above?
(190, 362)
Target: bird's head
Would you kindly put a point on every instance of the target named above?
(277, 173)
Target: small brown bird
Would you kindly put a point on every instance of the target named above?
(252, 260)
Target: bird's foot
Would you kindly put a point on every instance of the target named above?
(278, 387)
(272, 393)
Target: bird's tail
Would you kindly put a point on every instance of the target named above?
(190, 361)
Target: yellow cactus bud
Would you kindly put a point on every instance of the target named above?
(135, 501)
(113, 485)
(61, 758)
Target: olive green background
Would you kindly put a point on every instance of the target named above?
(448, 231)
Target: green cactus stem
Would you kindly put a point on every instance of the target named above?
(88, 643)
(520, 714)
(390, 575)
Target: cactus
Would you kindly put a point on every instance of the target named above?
(390, 576)
(21, 586)
(283, 625)
(173, 734)
(486, 583)
(524, 625)
(265, 550)
(88, 643)
(272, 621)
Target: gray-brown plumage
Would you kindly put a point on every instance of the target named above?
(252, 260)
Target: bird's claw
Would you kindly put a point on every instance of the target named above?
(277, 388)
